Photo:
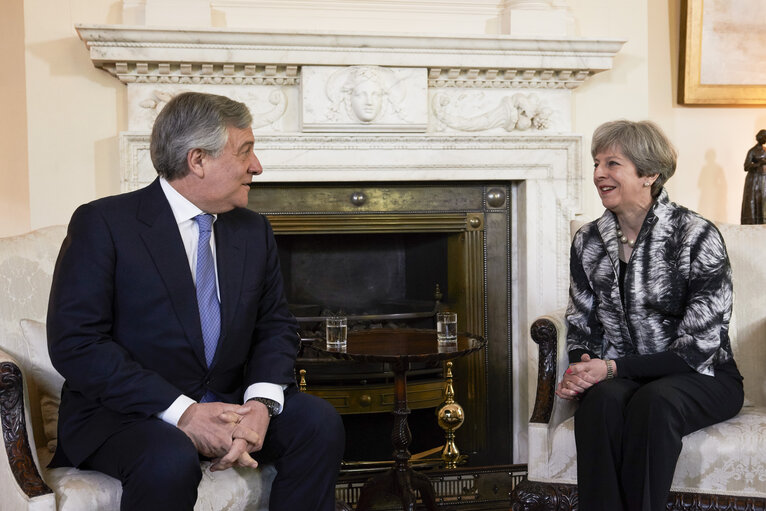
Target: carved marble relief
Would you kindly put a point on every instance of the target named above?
(267, 104)
(364, 98)
(467, 111)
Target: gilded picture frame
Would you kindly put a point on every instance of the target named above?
(721, 57)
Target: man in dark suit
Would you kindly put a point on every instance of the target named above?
(174, 337)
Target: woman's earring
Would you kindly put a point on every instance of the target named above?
(647, 183)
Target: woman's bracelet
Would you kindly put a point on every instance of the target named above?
(609, 371)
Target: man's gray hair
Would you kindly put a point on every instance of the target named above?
(193, 120)
(643, 143)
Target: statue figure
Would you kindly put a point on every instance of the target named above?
(754, 196)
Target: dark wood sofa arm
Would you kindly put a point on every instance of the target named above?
(14, 427)
(544, 333)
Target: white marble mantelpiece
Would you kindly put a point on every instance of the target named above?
(159, 54)
(468, 108)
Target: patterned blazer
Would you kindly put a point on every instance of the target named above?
(677, 291)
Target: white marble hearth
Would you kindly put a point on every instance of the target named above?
(333, 107)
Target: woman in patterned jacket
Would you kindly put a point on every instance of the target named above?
(648, 318)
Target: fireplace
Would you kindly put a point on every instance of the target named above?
(482, 123)
(390, 255)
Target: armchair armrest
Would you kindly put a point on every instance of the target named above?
(544, 332)
(549, 332)
(21, 485)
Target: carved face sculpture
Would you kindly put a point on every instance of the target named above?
(366, 99)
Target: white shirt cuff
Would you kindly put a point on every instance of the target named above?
(176, 410)
(267, 390)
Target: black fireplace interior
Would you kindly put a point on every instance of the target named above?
(363, 274)
(390, 278)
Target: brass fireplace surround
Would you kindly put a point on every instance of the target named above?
(473, 221)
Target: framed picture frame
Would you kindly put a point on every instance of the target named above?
(720, 54)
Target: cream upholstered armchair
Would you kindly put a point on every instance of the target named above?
(29, 396)
(721, 467)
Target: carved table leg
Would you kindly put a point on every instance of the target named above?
(422, 484)
(375, 486)
(401, 480)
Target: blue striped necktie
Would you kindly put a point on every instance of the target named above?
(207, 297)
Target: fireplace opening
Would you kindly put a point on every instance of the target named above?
(376, 253)
(360, 275)
(378, 281)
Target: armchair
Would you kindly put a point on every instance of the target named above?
(721, 467)
(29, 396)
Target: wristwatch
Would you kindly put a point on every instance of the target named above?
(271, 405)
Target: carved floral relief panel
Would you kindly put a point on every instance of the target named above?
(274, 107)
(499, 111)
(364, 99)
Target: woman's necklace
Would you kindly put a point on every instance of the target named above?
(624, 239)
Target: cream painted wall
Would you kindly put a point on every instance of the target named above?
(711, 141)
(75, 112)
(14, 191)
(618, 93)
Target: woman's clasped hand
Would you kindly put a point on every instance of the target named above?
(581, 376)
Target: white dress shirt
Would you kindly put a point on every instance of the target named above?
(184, 213)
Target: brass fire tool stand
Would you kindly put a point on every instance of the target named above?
(450, 417)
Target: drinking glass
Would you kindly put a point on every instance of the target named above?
(446, 327)
(336, 330)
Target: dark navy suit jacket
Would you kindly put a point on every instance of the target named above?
(123, 322)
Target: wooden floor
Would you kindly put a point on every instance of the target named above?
(461, 489)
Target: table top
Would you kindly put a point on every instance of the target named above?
(401, 345)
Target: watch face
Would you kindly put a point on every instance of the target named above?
(270, 404)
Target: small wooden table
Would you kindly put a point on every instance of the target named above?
(399, 347)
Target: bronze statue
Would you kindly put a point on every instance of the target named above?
(754, 196)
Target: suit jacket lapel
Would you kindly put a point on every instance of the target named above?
(163, 241)
(230, 254)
